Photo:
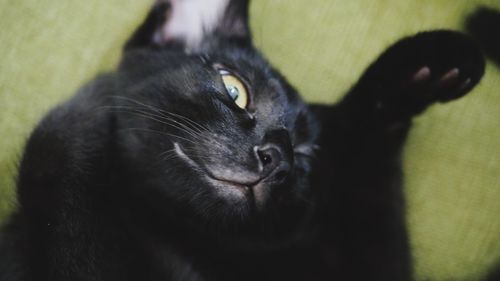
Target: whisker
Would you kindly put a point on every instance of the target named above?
(158, 132)
(154, 116)
(166, 152)
(196, 124)
(169, 157)
(185, 129)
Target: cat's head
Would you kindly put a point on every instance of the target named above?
(208, 130)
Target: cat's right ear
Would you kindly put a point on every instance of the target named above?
(190, 23)
(143, 36)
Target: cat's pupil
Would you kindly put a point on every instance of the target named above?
(233, 92)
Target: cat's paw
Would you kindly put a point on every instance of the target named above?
(447, 64)
(444, 86)
(429, 67)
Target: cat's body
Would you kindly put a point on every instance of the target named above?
(153, 173)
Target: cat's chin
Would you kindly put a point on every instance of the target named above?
(255, 210)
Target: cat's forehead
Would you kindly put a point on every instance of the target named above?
(247, 64)
(188, 80)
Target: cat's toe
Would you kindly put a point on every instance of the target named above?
(452, 85)
(445, 86)
(455, 60)
(450, 65)
(423, 74)
(418, 71)
(442, 65)
(450, 78)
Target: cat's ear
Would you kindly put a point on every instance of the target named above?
(192, 23)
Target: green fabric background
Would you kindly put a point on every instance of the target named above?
(49, 48)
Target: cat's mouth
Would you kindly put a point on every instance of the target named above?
(243, 185)
(230, 184)
(255, 189)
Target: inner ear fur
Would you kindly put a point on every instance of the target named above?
(191, 23)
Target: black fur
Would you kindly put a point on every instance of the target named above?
(96, 202)
(484, 25)
(362, 147)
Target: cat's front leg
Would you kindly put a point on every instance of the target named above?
(436, 66)
(359, 167)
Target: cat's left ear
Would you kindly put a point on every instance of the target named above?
(192, 23)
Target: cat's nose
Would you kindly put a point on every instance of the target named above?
(273, 161)
(269, 158)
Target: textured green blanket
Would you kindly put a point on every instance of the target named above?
(48, 48)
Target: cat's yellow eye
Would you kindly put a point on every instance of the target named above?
(235, 88)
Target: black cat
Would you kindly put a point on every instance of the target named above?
(196, 160)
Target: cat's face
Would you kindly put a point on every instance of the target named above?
(217, 136)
